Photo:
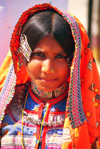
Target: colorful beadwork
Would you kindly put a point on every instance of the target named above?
(24, 47)
(23, 125)
(7, 91)
(74, 104)
(57, 92)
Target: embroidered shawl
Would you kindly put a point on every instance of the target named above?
(83, 103)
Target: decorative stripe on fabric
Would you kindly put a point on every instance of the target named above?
(74, 107)
(7, 91)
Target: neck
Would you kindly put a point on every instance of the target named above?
(46, 96)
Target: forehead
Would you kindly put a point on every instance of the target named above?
(49, 44)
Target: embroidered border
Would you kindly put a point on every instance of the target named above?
(74, 104)
(12, 140)
(7, 92)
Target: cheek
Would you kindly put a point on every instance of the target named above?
(28, 69)
(65, 72)
(32, 68)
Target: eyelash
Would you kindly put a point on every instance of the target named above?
(61, 56)
(39, 54)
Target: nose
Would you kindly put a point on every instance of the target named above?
(47, 66)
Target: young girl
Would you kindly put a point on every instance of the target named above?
(50, 97)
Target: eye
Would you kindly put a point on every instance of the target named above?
(38, 54)
(60, 56)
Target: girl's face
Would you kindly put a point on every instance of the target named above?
(48, 67)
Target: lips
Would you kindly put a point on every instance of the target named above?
(47, 80)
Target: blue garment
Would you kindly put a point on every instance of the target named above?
(15, 128)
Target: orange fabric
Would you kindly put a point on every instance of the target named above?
(5, 68)
(87, 134)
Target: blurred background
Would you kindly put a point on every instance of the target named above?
(87, 11)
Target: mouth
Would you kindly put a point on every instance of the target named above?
(45, 80)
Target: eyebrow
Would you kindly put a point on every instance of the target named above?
(40, 49)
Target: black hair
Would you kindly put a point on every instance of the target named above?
(48, 22)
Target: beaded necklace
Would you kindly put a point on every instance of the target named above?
(57, 92)
(59, 120)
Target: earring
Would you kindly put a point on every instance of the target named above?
(24, 47)
(20, 62)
